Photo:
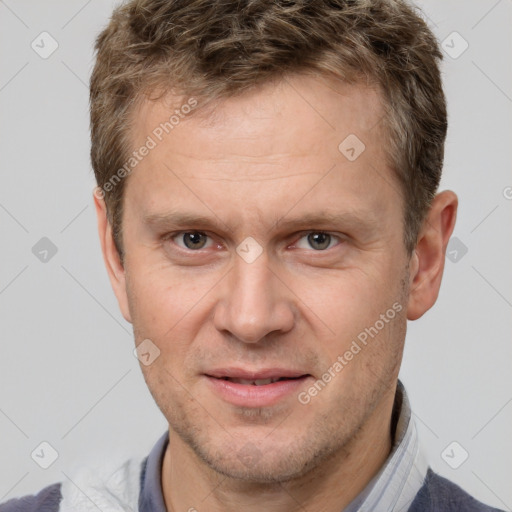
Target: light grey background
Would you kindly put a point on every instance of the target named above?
(67, 372)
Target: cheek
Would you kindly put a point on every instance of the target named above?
(161, 296)
(351, 307)
(355, 296)
(168, 308)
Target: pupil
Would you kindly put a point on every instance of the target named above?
(320, 238)
(196, 240)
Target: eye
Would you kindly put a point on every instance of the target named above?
(192, 240)
(318, 240)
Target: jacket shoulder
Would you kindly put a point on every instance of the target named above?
(46, 500)
(438, 494)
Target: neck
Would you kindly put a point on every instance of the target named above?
(189, 484)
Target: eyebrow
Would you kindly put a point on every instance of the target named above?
(180, 219)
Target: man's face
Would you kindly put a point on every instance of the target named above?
(214, 305)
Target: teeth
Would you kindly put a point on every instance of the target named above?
(258, 382)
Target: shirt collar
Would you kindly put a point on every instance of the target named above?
(398, 481)
(151, 497)
(393, 488)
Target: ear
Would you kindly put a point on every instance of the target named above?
(427, 261)
(115, 270)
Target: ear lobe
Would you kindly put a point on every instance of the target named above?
(427, 265)
(115, 270)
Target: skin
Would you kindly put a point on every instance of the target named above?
(266, 156)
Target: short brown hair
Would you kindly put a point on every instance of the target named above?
(220, 48)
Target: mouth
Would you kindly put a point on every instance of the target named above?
(258, 388)
(259, 382)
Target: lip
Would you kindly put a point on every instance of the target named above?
(248, 395)
(264, 373)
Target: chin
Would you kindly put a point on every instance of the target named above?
(250, 462)
(260, 472)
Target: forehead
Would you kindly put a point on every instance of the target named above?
(302, 141)
(307, 107)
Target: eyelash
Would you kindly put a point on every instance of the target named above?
(172, 236)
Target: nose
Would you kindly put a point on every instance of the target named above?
(254, 302)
